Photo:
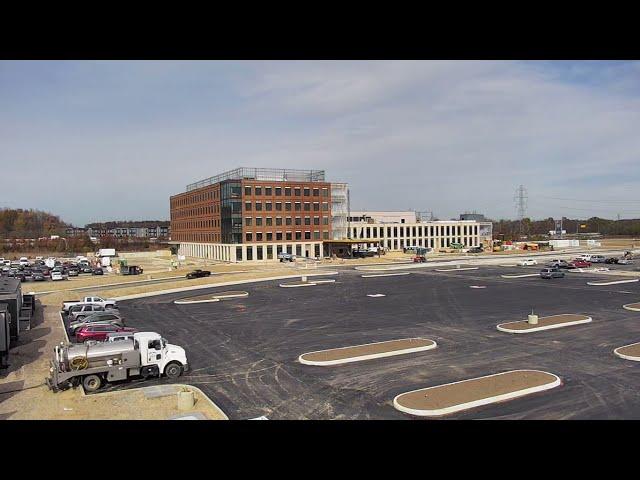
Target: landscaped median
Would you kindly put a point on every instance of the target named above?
(306, 283)
(458, 396)
(634, 307)
(544, 323)
(212, 297)
(629, 352)
(368, 351)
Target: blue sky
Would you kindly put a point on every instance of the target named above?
(94, 141)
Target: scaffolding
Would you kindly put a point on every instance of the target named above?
(262, 174)
(340, 211)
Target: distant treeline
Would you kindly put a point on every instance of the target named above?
(128, 223)
(19, 223)
(511, 228)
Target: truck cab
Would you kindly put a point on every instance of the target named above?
(157, 356)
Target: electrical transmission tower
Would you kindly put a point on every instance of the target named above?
(520, 199)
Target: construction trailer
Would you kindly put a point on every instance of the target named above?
(11, 296)
(5, 335)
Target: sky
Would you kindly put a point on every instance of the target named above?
(105, 140)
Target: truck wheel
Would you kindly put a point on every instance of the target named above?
(173, 370)
(108, 307)
(92, 383)
(80, 317)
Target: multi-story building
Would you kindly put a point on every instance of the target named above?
(250, 214)
(254, 214)
(155, 231)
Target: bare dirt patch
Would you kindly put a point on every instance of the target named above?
(355, 351)
(545, 321)
(448, 398)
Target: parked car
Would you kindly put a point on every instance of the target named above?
(37, 276)
(286, 257)
(119, 336)
(85, 268)
(611, 260)
(28, 275)
(476, 250)
(419, 259)
(99, 331)
(551, 273)
(362, 253)
(527, 262)
(17, 274)
(24, 261)
(58, 275)
(625, 261)
(198, 274)
(597, 259)
(73, 272)
(97, 271)
(97, 317)
(78, 312)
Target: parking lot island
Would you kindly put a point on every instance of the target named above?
(629, 352)
(544, 323)
(368, 351)
(454, 397)
(213, 297)
(634, 307)
(306, 283)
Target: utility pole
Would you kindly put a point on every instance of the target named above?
(520, 199)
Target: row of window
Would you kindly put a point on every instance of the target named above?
(270, 236)
(214, 223)
(196, 211)
(196, 237)
(297, 206)
(195, 198)
(415, 231)
(268, 221)
(268, 249)
(288, 191)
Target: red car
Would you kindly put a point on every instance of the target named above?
(580, 263)
(99, 332)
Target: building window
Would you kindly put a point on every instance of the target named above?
(316, 192)
(278, 235)
(259, 253)
(278, 191)
(238, 253)
(307, 207)
(250, 253)
(307, 220)
(258, 191)
(287, 206)
(269, 221)
(287, 191)
(269, 236)
(298, 235)
(298, 206)
(278, 221)
(249, 238)
(278, 206)
(316, 206)
(325, 192)
(268, 206)
(247, 191)
(248, 221)
(258, 236)
(307, 235)
(258, 221)
(316, 220)
(267, 191)
(298, 221)
(307, 191)
(247, 206)
(288, 221)
(258, 206)
(325, 220)
(316, 235)
(288, 235)
(296, 192)
(325, 206)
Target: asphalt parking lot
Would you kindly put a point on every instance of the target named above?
(243, 352)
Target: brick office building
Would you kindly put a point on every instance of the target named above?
(253, 214)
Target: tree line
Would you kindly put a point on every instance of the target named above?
(538, 228)
(19, 223)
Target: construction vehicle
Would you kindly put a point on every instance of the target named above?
(95, 364)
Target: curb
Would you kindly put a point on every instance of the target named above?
(365, 357)
(538, 329)
(215, 298)
(476, 403)
(221, 284)
(385, 275)
(627, 357)
(455, 269)
(633, 309)
(613, 283)
(521, 276)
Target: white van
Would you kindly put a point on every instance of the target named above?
(585, 256)
(24, 261)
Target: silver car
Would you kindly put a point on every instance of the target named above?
(98, 317)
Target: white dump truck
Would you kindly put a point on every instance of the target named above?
(92, 365)
(107, 303)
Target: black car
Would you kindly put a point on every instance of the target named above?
(19, 275)
(85, 269)
(97, 271)
(198, 274)
(362, 253)
(73, 272)
(611, 260)
(476, 250)
(37, 276)
(28, 275)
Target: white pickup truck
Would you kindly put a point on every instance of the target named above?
(105, 302)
